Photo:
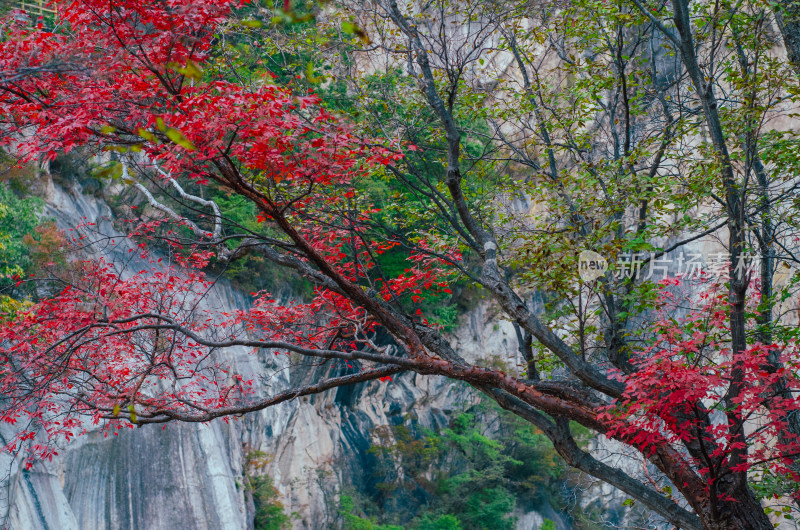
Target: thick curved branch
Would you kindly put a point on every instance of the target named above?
(163, 416)
(551, 397)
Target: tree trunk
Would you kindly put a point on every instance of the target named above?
(787, 14)
(742, 510)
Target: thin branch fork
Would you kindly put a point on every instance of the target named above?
(215, 235)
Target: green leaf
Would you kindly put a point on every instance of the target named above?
(113, 171)
(115, 148)
(192, 70)
(310, 74)
(177, 137)
(354, 29)
(147, 135)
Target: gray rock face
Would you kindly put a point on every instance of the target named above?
(38, 502)
(182, 475)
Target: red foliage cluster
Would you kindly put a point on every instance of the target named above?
(123, 76)
(681, 392)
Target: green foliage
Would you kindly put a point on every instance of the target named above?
(406, 193)
(269, 510)
(490, 509)
(442, 522)
(280, 47)
(548, 525)
(463, 476)
(354, 522)
(19, 218)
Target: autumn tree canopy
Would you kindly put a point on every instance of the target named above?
(395, 157)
